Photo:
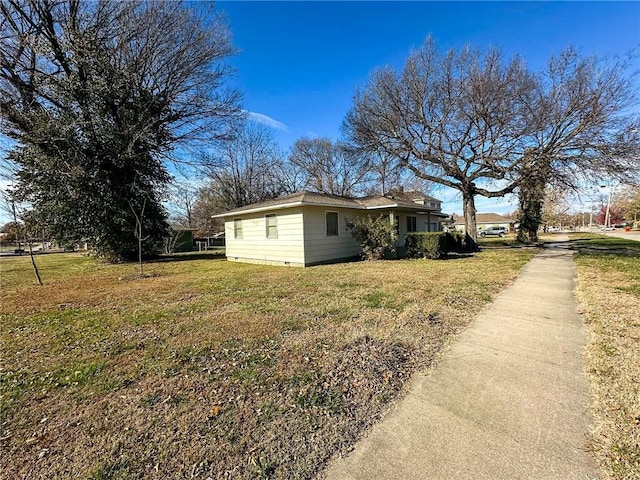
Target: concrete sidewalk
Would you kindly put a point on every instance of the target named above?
(509, 400)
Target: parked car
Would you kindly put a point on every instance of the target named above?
(494, 232)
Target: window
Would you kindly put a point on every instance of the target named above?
(397, 225)
(271, 223)
(237, 228)
(412, 224)
(332, 224)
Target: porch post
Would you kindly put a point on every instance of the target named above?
(392, 220)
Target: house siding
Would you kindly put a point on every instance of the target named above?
(320, 248)
(255, 247)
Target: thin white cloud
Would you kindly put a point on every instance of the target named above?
(268, 121)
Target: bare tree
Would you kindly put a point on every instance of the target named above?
(470, 121)
(207, 204)
(241, 171)
(629, 201)
(291, 178)
(137, 231)
(182, 200)
(387, 171)
(450, 119)
(330, 168)
(579, 129)
(26, 226)
(555, 208)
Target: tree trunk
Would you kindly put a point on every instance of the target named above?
(531, 200)
(469, 211)
(140, 247)
(35, 267)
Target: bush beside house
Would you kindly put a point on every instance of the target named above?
(432, 245)
(377, 236)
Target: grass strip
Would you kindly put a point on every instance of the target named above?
(608, 290)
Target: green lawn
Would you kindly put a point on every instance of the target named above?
(206, 366)
(609, 294)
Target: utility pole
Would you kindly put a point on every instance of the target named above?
(606, 216)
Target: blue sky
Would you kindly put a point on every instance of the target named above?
(300, 62)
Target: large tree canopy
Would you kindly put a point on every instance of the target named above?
(476, 123)
(96, 96)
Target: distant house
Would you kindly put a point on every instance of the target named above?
(309, 228)
(213, 241)
(485, 220)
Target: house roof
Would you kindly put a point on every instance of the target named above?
(485, 218)
(371, 202)
(410, 195)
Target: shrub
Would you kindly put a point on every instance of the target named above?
(455, 241)
(431, 245)
(376, 236)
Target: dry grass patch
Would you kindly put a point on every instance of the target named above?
(609, 294)
(216, 369)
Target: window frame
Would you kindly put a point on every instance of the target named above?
(237, 228)
(267, 226)
(412, 223)
(326, 223)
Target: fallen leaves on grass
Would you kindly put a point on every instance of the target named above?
(219, 370)
(605, 290)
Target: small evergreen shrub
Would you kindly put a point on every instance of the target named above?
(433, 245)
(377, 236)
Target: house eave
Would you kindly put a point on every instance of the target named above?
(234, 213)
(393, 206)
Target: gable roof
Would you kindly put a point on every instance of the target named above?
(370, 202)
(485, 218)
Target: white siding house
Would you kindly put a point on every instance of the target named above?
(308, 228)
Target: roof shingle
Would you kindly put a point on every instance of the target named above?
(326, 200)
